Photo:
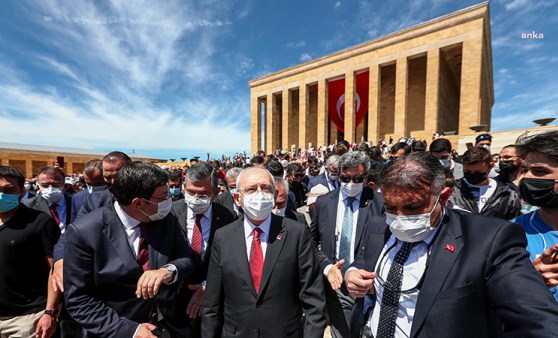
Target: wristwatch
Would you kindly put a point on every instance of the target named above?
(172, 270)
(51, 312)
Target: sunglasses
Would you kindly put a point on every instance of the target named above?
(347, 179)
(297, 175)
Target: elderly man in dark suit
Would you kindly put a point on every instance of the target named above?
(124, 262)
(52, 198)
(330, 177)
(226, 197)
(199, 217)
(436, 272)
(262, 275)
(338, 223)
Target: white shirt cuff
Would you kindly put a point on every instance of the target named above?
(135, 332)
(349, 269)
(327, 268)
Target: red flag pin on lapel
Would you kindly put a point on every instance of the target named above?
(450, 247)
(279, 237)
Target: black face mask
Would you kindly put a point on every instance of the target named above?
(475, 178)
(539, 192)
(507, 167)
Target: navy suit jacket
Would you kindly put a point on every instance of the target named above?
(94, 201)
(317, 180)
(40, 203)
(325, 217)
(479, 282)
(290, 285)
(77, 201)
(101, 273)
(89, 202)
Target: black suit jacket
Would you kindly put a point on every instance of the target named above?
(479, 280)
(290, 284)
(40, 203)
(221, 216)
(325, 217)
(226, 199)
(101, 274)
(295, 216)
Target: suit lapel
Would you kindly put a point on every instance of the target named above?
(42, 205)
(154, 236)
(332, 217)
(441, 262)
(361, 220)
(114, 231)
(68, 209)
(241, 257)
(275, 240)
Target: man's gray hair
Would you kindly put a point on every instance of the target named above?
(271, 177)
(353, 159)
(202, 171)
(233, 173)
(333, 160)
(414, 172)
(282, 181)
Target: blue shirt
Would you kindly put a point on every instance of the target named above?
(539, 237)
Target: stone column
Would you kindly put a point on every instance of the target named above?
(28, 168)
(270, 125)
(400, 128)
(470, 102)
(432, 91)
(350, 118)
(302, 115)
(255, 124)
(373, 104)
(322, 113)
(286, 106)
(70, 170)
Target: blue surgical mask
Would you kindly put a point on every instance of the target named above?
(8, 202)
(28, 187)
(174, 191)
(446, 163)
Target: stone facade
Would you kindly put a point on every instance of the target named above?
(433, 77)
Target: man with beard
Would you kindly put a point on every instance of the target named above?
(510, 166)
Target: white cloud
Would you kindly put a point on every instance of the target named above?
(297, 44)
(337, 5)
(304, 57)
(517, 4)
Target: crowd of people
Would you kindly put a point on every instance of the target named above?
(404, 239)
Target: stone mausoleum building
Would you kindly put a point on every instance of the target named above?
(433, 77)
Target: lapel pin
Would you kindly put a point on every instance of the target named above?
(450, 247)
(279, 237)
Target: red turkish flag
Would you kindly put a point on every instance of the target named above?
(336, 100)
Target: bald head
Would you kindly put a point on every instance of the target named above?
(254, 177)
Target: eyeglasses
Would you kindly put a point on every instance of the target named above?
(347, 179)
(174, 186)
(393, 288)
(165, 197)
(314, 167)
(197, 196)
(297, 175)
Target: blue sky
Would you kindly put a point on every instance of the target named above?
(169, 78)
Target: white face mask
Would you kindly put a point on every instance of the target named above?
(258, 206)
(93, 188)
(411, 228)
(51, 194)
(333, 176)
(163, 209)
(280, 212)
(198, 205)
(352, 189)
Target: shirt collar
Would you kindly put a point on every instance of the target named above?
(344, 195)
(249, 226)
(128, 221)
(207, 214)
(60, 203)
